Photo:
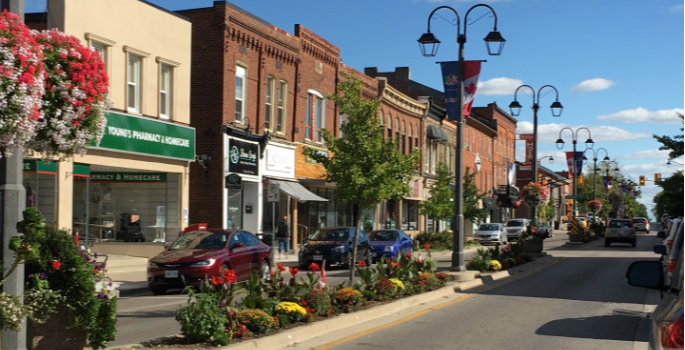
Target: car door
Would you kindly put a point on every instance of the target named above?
(252, 246)
(405, 242)
(239, 255)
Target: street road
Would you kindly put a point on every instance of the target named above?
(146, 317)
(582, 302)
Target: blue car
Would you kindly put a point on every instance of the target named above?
(390, 243)
(334, 246)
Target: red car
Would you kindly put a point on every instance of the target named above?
(197, 255)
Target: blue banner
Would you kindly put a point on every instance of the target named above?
(450, 72)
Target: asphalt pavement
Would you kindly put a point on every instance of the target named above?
(581, 302)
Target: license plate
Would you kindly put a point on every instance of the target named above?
(318, 257)
(171, 274)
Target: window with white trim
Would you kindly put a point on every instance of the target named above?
(268, 100)
(316, 116)
(343, 119)
(428, 157)
(409, 138)
(134, 83)
(165, 91)
(388, 124)
(281, 104)
(434, 156)
(240, 93)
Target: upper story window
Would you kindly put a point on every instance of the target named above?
(276, 92)
(427, 163)
(134, 83)
(409, 138)
(397, 132)
(102, 46)
(467, 140)
(316, 116)
(416, 137)
(101, 49)
(269, 101)
(240, 93)
(165, 91)
(388, 124)
(281, 106)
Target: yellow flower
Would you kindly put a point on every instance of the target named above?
(289, 307)
(399, 284)
(495, 265)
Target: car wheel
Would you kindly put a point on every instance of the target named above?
(157, 290)
(266, 270)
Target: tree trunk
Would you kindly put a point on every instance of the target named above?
(354, 243)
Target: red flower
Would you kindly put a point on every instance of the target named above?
(304, 303)
(361, 263)
(351, 303)
(313, 267)
(56, 264)
(408, 255)
(294, 271)
(229, 276)
(95, 271)
(280, 267)
(332, 311)
(427, 247)
(216, 281)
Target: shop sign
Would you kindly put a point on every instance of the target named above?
(131, 134)
(233, 181)
(34, 165)
(243, 157)
(280, 161)
(128, 177)
(310, 160)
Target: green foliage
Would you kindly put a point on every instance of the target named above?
(318, 300)
(673, 144)
(471, 198)
(255, 298)
(437, 240)
(256, 321)
(670, 199)
(440, 205)
(204, 319)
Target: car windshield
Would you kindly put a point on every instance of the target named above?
(516, 223)
(201, 240)
(384, 236)
(619, 223)
(489, 227)
(331, 234)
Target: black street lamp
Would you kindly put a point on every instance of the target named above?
(551, 159)
(515, 108)
(668, 163)
(588, 144)
(607, 169)
(429, 47)
(594, 167)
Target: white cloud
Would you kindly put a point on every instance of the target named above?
(498, 86)
(593, 85)
(549, 133)
(639, 115)
(677, 8)
(652, 154)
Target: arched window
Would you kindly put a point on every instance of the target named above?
(404, 138)
(388, 124)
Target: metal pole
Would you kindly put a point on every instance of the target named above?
(594, 180)
(533, 210)
(12, 204)
(458, 234)
(575, 182)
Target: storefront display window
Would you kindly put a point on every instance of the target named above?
(40, 182)
(410, 215)
(389, 214)
(234, 219)
(314, 215)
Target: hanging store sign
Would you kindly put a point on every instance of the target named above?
(243, 157)
(131, 134)
(233, 181)
(128, 177)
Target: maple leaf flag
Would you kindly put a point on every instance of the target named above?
(450, 72)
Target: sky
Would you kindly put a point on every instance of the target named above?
(617, 64)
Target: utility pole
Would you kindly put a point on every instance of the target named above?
(12, 204)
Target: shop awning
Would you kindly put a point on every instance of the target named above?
(436, 133)
(297, 191)
(490, 203)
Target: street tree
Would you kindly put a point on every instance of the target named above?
(670, 199)
(471, 198)
(672, 144)
(365, 167)
(440, 205)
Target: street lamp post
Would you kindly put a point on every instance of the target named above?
(515, 108)
(608, 169)
(429, 47)
(588, 144)
(594, 167)
(668, 163)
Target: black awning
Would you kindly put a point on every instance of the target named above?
(491, 203)
(436, 133)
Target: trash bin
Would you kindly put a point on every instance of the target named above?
(556, 224)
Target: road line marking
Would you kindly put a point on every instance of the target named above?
(423, 312)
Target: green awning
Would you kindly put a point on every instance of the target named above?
(39, 166)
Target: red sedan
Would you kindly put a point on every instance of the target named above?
(203, 254)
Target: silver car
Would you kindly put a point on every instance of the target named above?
(491, 233)
(516, 228)
(641, 224)
(620, 231)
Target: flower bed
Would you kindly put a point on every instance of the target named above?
(495, 260)
(272, 305)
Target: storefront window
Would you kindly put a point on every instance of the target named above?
(369, 219)
(234, 219)
(389, 214)
(410, 215)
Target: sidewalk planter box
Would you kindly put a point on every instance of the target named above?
(578, 237)
(54, 334)
(533, 246)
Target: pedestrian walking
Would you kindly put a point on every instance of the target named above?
(283, 236)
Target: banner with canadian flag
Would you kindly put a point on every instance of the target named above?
(450, 80)
(579, 162)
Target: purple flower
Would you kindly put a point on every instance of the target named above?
(43, 275)
(95, 255)
(87, 258)
(100, 296)
(109, 284)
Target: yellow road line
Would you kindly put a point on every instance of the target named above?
(422, 312)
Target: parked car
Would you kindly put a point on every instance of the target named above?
(667, 319)
(197, 255)
(669, 254)
(516, 228)
(620, 231)
(491, 233)
(390, 243)
(546, 227)
(671, 230)
(641, 224)
(334, 246)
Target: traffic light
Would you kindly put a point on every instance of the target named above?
(642, 180)
(657, 178)
(581, 180)
(539, 178)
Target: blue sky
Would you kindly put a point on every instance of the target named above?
(618, 64)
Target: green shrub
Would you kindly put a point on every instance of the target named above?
(478, 264)
(319, 301)
(437, 240)
(204, 319)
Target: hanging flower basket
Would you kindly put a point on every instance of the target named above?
(594, 205)
(75, 96)
(21, 83)
(535, 195)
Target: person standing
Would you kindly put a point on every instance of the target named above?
(283, 236)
